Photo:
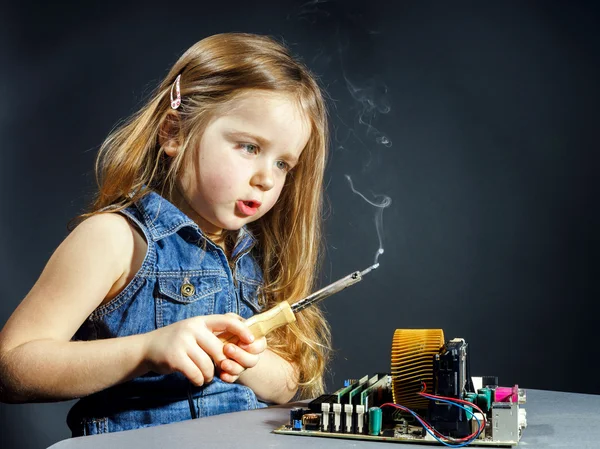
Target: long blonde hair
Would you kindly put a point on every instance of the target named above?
(214, 73)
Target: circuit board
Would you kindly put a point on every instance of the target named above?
(429, 397)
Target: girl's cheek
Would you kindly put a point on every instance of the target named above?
(270, 206)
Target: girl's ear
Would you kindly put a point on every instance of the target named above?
(168, 136)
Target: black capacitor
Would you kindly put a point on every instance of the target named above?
(296, 415)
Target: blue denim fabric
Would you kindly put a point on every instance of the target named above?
(178, 253)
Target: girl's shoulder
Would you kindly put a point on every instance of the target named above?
(128, 243)
(88, 267)
(112, 229)
(112, 225)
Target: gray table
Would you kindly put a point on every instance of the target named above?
(555, 419)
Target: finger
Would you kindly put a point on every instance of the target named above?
(235, 315)
(242, 357)
(203, 362)
(229, 378)
(257, 347)
(191, 371)
(220, 323)
(231, 367)
(210, 344)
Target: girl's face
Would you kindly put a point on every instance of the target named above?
(238, 170)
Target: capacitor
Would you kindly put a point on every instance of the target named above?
(375, 416)
(484, 399)
(471, 397)
(296, 414)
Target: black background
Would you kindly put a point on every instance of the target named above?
(490, 111)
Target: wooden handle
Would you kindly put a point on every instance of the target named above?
(263, 323)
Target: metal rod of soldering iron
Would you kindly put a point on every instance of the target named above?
(326, 291)
(331, 289)
(284, 313)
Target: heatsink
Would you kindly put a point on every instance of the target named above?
(412, 362)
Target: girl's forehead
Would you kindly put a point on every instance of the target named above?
(276, 117)
(252, 101)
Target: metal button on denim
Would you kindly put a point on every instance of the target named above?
(187, 290)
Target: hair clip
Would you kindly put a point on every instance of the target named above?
(175, 103)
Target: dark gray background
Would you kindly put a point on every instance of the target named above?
(491, 109)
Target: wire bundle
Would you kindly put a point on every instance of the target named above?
(447, 441)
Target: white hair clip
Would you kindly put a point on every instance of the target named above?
(176, 102)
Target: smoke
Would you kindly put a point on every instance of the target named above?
(385, 202)
(371, 106)
(343, 32)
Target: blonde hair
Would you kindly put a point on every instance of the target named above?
(214, 73)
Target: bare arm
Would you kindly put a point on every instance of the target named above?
(50, 370)
(39, 362)
(272, 379)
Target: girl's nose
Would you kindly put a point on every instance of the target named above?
(263, 179)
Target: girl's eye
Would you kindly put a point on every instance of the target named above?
(283, 166)
(249, 148)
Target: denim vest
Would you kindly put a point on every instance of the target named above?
(183, 275)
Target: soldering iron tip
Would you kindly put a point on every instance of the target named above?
(368, 270)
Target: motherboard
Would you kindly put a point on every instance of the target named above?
(429, 396)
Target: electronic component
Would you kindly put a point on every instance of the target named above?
(296, 418)
(379, 392)
(337, 417)
(375, 415)
(451, 378)
(430, 396)
(412, 354)
(360, 418)
(325, 407)
(505, 421)
(311, 421)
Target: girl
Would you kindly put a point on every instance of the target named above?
(208, 211)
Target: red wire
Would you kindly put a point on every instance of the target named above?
(425, 423)
(430, 427)
(422, 393)
(461, 401)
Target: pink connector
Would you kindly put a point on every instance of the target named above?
(507, 394)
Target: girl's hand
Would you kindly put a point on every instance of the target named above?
(240, 357)
(190, 346)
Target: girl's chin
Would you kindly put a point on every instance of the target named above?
(232, 225)
(230, 221)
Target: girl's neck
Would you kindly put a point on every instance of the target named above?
(218, 238)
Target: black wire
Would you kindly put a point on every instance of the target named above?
(191, 401)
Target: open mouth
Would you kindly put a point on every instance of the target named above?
(252, 204)
(248, 207)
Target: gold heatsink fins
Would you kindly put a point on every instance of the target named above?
(412, 361)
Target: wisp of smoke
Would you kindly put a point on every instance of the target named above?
(385, 202)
